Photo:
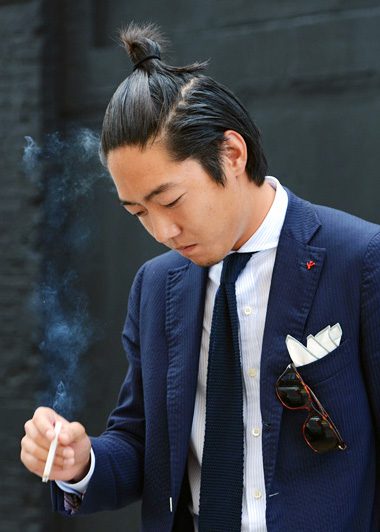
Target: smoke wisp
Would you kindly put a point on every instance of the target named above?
(66, 171)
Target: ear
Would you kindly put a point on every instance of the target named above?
(235, 152)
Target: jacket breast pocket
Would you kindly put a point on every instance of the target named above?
(344, 357)
(337, 381)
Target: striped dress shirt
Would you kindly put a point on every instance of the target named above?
(252, 292)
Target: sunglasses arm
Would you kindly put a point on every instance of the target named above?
(323, 412)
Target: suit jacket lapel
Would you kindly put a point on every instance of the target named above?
(185, 295)
(291, 294)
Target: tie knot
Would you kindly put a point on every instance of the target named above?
(233, 264)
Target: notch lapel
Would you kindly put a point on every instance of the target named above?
(185, 295)
(290, 298)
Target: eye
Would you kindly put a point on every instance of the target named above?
(137, 214)
(173, 203)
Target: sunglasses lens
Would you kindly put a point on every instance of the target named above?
(291, 391)
(319, 434)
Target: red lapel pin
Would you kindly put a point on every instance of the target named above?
(310, 264)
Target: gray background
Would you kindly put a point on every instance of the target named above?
(309, 74)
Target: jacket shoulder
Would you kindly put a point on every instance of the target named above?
(340, 219)
(344, 229)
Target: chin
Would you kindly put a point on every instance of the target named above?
(207, 262)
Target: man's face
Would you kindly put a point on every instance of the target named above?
(180, 205)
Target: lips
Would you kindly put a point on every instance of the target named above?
(180, 248)
(185, 249)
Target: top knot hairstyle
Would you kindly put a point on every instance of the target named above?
(187, 110)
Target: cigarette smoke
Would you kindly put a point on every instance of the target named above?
(66, 171)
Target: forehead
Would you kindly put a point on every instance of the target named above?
(136, 171)
(127, 160)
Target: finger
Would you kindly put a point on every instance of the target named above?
(32, 449)
(41, 453)
(35, 435)
(43, 442)
(44, 419)
(31, 462)
(35, 465)
(71, 433)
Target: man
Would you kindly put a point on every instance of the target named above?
(210, 428)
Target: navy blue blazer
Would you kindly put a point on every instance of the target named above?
(144, 450)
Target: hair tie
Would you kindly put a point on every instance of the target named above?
(145, 59)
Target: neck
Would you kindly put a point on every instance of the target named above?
(261, 198)
(263, 201)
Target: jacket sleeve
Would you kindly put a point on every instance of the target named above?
(370, 329)
(370, 345)
(119, 451)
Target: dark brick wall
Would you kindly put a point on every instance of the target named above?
(20, 111)
(309, 74)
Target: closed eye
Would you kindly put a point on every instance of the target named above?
(137, 214)
(173, 203)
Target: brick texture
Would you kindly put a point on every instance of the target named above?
(20, 111)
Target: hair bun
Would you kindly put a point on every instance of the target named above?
(142, 42)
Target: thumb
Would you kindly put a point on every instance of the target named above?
(71, 433)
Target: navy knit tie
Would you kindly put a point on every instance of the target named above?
(222, 472)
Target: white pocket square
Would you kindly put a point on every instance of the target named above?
(317, 346)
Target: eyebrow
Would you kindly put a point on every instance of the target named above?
(159, 190)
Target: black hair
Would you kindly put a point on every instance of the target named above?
(181, 106)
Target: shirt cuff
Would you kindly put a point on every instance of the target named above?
(79, 488)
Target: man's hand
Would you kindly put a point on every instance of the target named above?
(72, 459)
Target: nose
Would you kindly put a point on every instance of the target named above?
(164, 229)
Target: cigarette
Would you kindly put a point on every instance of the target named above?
(51, 453)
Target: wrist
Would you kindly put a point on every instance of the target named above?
(79, 487)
